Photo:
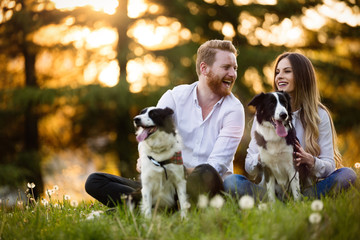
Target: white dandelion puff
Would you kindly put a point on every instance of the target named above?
(44, 202)
(94, 214)
(217, 202)
(31, 185)
(357, 165)
(48, 192)
(74, 203)
(55, 187)
(246, 202)
(262, 206)
(317, 205)
(315, 218)
(67, 197)
(203, 201)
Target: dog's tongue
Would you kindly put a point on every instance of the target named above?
(280, 129)
(143, 135)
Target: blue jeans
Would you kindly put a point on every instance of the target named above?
(341, 179)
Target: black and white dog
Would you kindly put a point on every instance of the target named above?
(276, 138)
(162, 170)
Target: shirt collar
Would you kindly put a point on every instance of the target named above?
(196, 101)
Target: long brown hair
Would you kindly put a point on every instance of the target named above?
(306, 97)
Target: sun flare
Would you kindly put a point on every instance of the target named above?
(107, 6)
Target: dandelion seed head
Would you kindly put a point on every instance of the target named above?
(55, 187)
(67, 197)
(357, 165)
(317, 205)
(48, 192)
(31, 185)
(217, 202)
(203, 201)
(262, 206)
(246, 202)
(315, 218)
(44, 202)
(74, 203)
(94, 214)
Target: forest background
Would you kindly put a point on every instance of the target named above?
(73, 74)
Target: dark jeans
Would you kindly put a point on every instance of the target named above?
(108, 189)
(341, 179)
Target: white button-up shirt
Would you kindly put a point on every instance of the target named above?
(213, 140)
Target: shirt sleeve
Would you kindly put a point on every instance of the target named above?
(228, 141)
(252, 156)
(324, 163)
(166, 100)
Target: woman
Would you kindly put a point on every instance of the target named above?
(317, 149)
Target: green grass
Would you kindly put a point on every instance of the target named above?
(290, 220)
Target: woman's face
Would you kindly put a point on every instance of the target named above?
(284, 76)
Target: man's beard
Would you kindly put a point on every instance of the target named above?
(216, 85)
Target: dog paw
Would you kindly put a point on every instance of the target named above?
(183, 215)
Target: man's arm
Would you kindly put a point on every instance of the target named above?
(228, 141)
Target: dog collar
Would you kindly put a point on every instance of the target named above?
(176, 159)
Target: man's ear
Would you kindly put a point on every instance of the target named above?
(204, 68)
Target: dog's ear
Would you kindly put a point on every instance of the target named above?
(288, 99)
(257, 99)
(168, 111)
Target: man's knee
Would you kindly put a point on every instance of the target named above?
(91, 183)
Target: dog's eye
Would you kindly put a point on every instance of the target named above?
(143, 111)
(153, 114)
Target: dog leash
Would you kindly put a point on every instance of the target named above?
(176, 159)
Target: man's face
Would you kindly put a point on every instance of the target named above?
(222, 74)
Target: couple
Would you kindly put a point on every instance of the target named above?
(210, 120)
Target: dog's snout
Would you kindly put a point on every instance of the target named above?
(283, 115)
(137, 120)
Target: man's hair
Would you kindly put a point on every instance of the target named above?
(207, 51)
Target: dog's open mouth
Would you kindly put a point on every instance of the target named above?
(144, 132)
(280, 128)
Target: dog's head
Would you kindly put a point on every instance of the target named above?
(152, 119)
(275, 108)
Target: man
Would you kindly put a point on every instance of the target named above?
(210, 120)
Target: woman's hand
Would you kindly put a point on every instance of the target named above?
(302, 157)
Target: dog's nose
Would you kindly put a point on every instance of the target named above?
(283, 115)
(137, 120)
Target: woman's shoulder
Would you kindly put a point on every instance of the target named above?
(323, 114)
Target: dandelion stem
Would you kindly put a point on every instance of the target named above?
(136, 227)
(153, 218)
(121, 226)
(2, 225)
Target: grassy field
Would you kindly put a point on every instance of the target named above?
(330, 218)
